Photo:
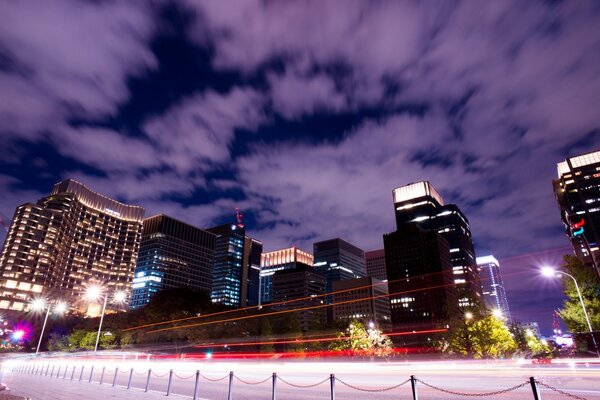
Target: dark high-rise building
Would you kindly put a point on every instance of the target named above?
(66, 242)
(251, 273)
(492, 285)
(363, 299)
(172, 254)
(279, 260)
(375, 262)
(420, 279)
(338, 260)
(421, 204)
(301, 282)
(577, 191)
(228, 265)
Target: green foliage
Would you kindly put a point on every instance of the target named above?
(572, 313)
(480, 337)
(76, 338)
(371, 342)
(58, 342)
(528, 343)
(266, 334)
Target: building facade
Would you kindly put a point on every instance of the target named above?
(337, 260)
(375, 263)
(228, 265)
(363, 299)
(494, 294)
(251, 273)
(279, 260)
(172, 254)
(577, 191)
(421, 204)
(66, 242)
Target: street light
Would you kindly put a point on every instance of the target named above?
(468, 315)
(39, 305)
(94, 293)
(550, 272)
(497, 313)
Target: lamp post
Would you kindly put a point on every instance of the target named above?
(552, 273)
(96, 292)
(39, 305)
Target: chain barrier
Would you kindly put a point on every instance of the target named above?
(159, 375)
(372, 390)
(302, 386)
(571, 395)
(510, 389)
(251, 382)
(124, 371)
(144, 373)
(213, 379)
(184, 377)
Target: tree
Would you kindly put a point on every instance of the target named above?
(480, 337)
(572, 312)
(266, 334)
(58, 342)
(527, 341)
(371, 342)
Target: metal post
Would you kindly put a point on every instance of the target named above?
(413, 385)
(115, 377)
(58, 372)
(534, 388)
(169, 383)
(65, 374)
(101, 319)
(81, 373)
(91, 374)
(52, 372)
(195, 395)
(37, 350)
(148, 380)
(47, 368)
(130, 376)
(102, 375)
(332, 383)
(274, 395)
(230, 385)
(73, 372)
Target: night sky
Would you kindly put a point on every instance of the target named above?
(306, 115)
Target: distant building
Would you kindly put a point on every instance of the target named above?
(421, 204)
(66, 242)
(338, 260)
(304, 284)
(420, 279)
(228, 265)
(577, 191)
(251, 273)
(375, 262)
(374, 308)
(279, 260)
(534, 327)
(492, 285)
(172, 254)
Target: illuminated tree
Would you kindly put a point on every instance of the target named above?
(371, 342)
(572, 313)
(480, 337)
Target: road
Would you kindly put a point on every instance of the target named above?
(32, 378)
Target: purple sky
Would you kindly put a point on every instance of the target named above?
(305, 114)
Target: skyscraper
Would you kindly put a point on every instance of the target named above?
(577, 191)
(172, 254)
(251, 273)
(420, 203)
(67, 241)
(492, 285)
(279, 260)
(375, 263)
(338, 260)
(364, 299)
(228, 265)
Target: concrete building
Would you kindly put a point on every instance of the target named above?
(375, 263)
(279, 260)
(337, 260)
(375, 307)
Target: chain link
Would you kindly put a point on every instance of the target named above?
(510, 389)
(213, 379)
(302, 386)
(140, 373)
(559, 391)
(159, 375)
(251, 382)
(371, 390)
(183, 377)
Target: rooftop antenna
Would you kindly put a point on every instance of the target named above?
(239, 217)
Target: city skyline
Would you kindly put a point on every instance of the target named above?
(192, 110)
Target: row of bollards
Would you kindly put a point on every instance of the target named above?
(38, 369)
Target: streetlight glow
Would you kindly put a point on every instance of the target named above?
(497, 313)
(548, 272)
(120, 297)
(468, 315)
(60, 307)
(38, 304)
(93, 292)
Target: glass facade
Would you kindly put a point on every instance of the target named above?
(492, 285)
(228, 265)
(279, 260)
(338, 260)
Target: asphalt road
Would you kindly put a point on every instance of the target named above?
(579, 379)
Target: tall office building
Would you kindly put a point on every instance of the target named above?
(338, 260)
(577, 191)
(420, 203)
(228, 265)
(375, 263)
(304, 284)
(251, 273)
(420, 279)
(492, 285)
(364, 299)
(279, 260)
(172, 254)
(67, 241)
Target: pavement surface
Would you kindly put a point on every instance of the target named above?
(70, 378)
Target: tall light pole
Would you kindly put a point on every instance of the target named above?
(39, 305)
(552, 273)
(96, 292)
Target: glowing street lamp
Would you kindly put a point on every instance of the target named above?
(39, 305)
(94, 293)
(497, 313)
(468, 315)
(550, 272)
